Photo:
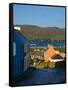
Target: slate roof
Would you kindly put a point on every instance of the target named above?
(57, 56)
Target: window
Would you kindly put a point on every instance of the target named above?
(14, 48)
(25, 47)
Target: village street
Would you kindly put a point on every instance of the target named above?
(44, 76)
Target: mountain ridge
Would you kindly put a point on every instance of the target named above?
(33, 32)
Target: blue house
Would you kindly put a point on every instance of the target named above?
(20, 58)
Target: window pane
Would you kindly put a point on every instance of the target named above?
(14, 48)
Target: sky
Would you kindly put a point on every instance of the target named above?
(43, 16)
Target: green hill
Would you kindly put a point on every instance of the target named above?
(38, 33)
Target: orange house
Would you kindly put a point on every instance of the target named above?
(49, 53)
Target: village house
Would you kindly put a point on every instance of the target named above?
(52, 55)
(56, 58)
(38, 48)
(62, 54)
(37, 55)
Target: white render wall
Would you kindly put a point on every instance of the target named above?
(56, 60)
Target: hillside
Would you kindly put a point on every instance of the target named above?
(34, 32)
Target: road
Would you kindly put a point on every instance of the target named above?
(44, 76)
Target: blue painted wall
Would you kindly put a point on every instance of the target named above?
(18, 42)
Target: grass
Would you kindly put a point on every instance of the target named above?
(62, 49)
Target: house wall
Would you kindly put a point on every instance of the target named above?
(36, 57)
(26, 57)
(56, 60)
(32, 57)
(26, 62)
(18, 58)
